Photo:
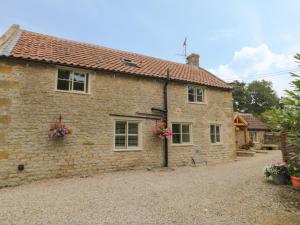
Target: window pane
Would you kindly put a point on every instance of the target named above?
(199, 91)
(63, 85)
(132, 128)
(186, 138)
(120, 142)
(199, 95)
(191, 90)
(199, 98)
(79, 77)
(212, 133)
(212, 138)
(185, 128)
(176, 138)
(63, 74)
(176, 128)
(191, 94)
(132, 141)
(86, 83)
(78, 86)
(217, 129)
(212, 129)
(217, 133)
(191, 98)
(120, 127)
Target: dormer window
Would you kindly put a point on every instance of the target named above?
(129, 62)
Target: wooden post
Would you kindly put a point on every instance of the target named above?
(246, 135)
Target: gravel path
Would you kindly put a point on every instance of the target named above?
(231, 193)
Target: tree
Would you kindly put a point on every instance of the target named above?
(256, 97)
(241, 97)
(287, 119)
(263, 97)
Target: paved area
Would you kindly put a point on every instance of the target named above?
(231, 193)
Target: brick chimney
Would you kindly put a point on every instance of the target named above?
(193, 59)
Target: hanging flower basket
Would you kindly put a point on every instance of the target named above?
(162, 131)
(58, 129)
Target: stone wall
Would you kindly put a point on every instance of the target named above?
(29, 104)
(289, 152)
(273, 138)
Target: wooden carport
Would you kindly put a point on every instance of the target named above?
(240, 122)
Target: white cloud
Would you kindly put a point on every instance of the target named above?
(257, 63)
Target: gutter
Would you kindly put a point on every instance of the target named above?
(164, 113)
(165, 116)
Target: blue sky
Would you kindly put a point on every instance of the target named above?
(242, 40)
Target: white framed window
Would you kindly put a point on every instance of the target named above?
(72, 81)
(215, 133)
(195, 94)
(252, 135)
(127, 135)
(181, 133)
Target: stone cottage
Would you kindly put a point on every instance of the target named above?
(111, 100)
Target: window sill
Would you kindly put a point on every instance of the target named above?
(73, 92)
(128, 150)
(198, 103)
(216, 144)
(181, 145)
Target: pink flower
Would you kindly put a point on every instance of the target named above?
(161, 137)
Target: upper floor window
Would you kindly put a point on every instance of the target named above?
(181, 133)
(72, 81)
(195, 94)
(215, 133)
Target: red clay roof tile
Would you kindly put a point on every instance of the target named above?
(254, 123)
(50, 49)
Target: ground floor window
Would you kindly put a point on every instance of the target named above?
(252, 135)
(127, 135)
(181, 133)
(215, 133)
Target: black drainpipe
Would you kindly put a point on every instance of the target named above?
(165, 92)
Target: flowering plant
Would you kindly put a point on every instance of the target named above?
(247, 146)
(58, 129)
(276, 168)
(162, 131)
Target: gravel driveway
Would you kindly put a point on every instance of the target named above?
(231, 193)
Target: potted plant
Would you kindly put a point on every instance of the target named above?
(58, 129)
(162, 131)
(278, 171)
(251, 145)
(248, 146)
(295, 176)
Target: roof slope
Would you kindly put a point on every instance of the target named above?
(253, 122)
(34, 46)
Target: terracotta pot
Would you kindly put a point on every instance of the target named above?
(296, 182)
